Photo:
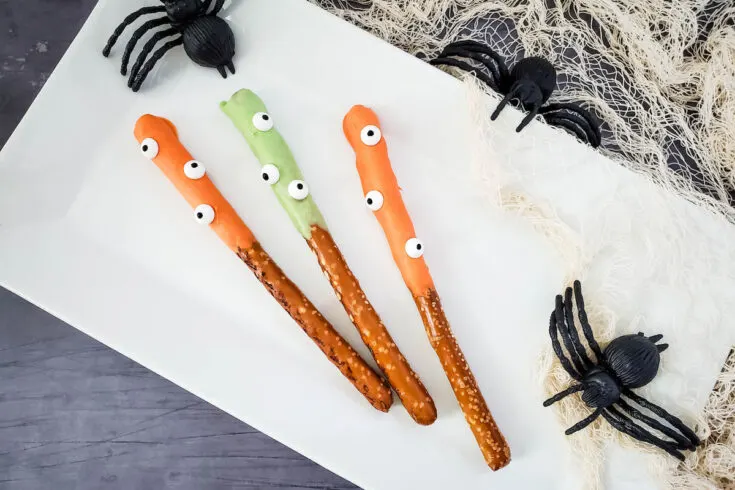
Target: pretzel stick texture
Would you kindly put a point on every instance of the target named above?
(159, 142)
(279, 169)
(383, 197)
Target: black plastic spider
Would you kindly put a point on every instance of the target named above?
(630, 361)
(531, 81)
(207, 39)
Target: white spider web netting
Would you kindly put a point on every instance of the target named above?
(660, 75)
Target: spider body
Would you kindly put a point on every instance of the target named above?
(209, 42)
(600, 388)
(629, 361)
(181, 11)
(530, 82)
(634, 359)
(207, 39)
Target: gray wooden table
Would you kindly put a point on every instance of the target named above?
(75, 414)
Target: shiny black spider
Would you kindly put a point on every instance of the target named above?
(630, 361)
(207, 39)
(531, 81)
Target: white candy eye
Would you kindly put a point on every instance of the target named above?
(262, 121)
(370, 135)
(194, 170)
(298, 190)
(149, 147)
(270, 174)
(374, 200)
(414, 248)
(204, 214)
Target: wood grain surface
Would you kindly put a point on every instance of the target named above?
(75, 414)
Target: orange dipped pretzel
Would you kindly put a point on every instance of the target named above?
(159, 142)
(383, 197)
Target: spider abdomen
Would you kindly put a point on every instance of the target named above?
(634, 359)
(209, 42)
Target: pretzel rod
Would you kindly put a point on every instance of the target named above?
(279, 169)
(159, 142)
(383, 197)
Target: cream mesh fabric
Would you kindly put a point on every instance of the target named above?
(660, 74)
(714, 465)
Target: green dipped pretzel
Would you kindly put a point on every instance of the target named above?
(279, 169)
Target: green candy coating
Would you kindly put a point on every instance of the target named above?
(270, 148)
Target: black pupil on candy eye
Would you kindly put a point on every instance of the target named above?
(200, 215)
(265, 117)
(418, 246)
(371, 133)
(145, 147)
(370, 200)
(265, 176)
(194, 165)
(300, 186)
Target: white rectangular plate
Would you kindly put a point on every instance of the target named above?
(92, 232)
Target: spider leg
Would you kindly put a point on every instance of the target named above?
(217, 7)
(582, 117)
(569, 312)
(654, 339)
(682, 441)
(474, 55)
(483, 54)
(140, 32)
(586, 328)
(575, 125)
(508, 97)
(231, 66)
(527, 120)
(676, 422)
(566, 364)
(222, 71)
(563, 394)
(147, 50)
(469, 45)
(570, 126)
(463, 65)
(153, 60)
(584, 422)
(494, 75)
(626, 426)
(206, 4)
(566, 337)
(129, 20)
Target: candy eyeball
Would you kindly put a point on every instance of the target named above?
(194, 170)
(374, 200)
(370, 135)
(298, 190)
(270, 174)
(149, 148)
(204, 214)
(414, 248)
(262, 121)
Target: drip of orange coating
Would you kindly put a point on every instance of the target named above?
(376, 174)
(171, 158)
